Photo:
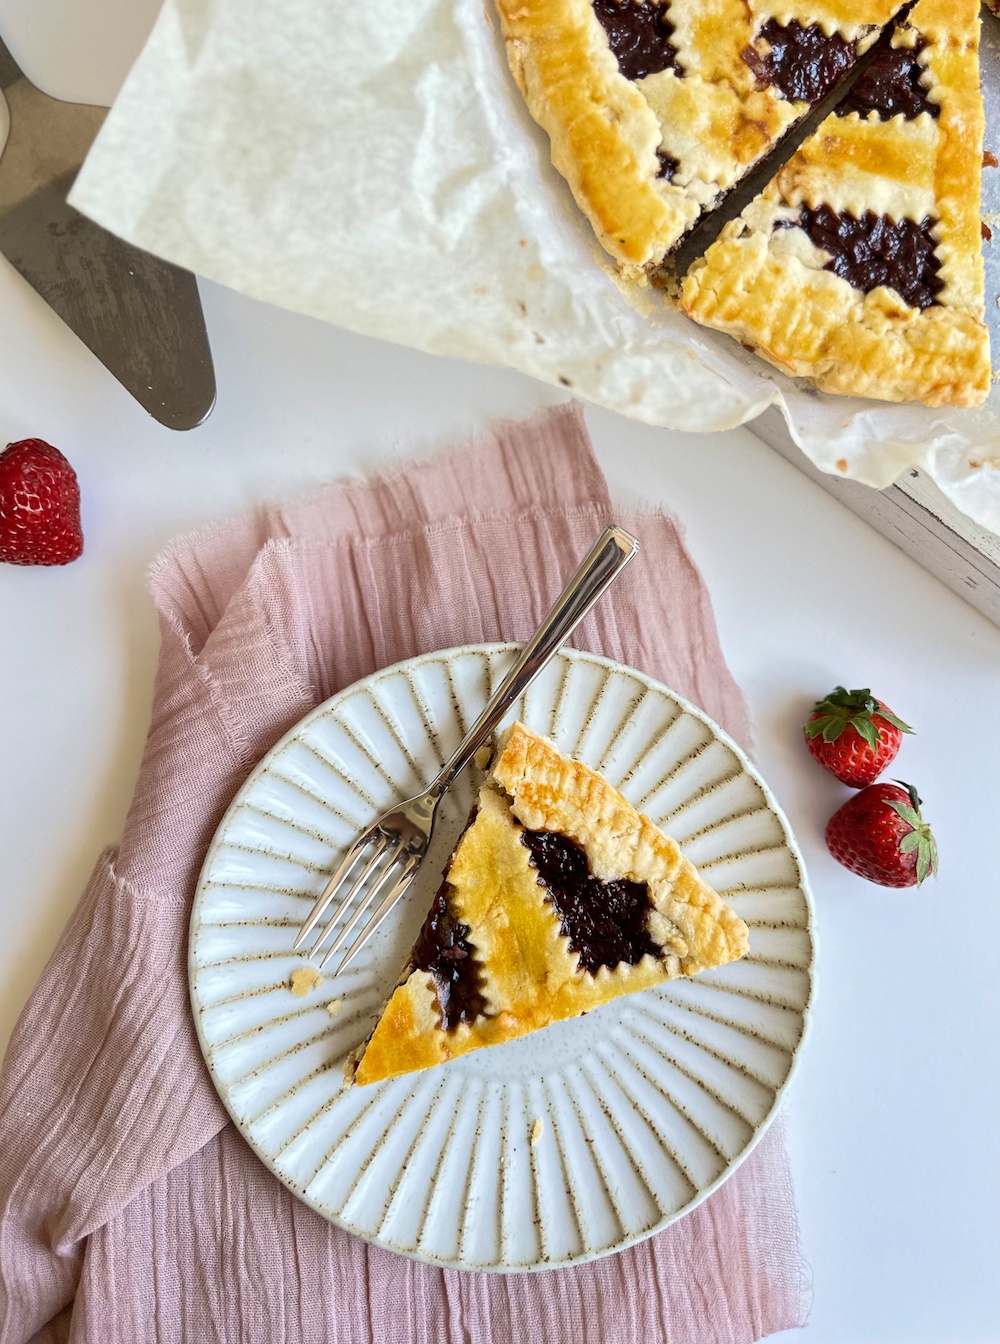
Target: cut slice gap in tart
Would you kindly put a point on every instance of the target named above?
(860, 266)
(558, 898)
(656, 109)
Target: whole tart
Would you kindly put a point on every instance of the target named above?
(558, 898)
(860, 265)
(655, 109)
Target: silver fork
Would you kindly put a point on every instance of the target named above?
(389, 852)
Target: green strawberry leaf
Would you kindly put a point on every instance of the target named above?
(846, 702)
(814, 727)
(910, 842)
(867, 730)
(911, 817)
(925, 861)
(894, 719)
(932, 851)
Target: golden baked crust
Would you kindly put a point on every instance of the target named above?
(528, 977)
(713, 114)
(765, 280)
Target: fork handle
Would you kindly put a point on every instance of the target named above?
(612, 551)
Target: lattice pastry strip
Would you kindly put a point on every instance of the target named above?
(656, 108)
(860, 265)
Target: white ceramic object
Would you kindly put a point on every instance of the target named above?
(647, 1104)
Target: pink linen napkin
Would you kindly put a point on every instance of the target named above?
(130, 1210)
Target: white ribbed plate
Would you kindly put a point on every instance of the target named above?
(647, 1104)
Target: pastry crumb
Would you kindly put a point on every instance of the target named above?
(303, 979)
(482, 757)
(537, 1129)
(334, 1006)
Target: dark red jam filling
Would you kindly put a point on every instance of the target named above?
(443, 950)
(639, 34)
(604, 921)
(891, 87)
(876, 250)
(668, 165)
(804, 63)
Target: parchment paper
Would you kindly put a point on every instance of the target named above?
(373, 165)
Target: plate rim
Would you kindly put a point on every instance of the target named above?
(490, 648)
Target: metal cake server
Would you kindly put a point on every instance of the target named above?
(141, 316)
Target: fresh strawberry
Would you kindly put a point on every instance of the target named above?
(853, 735)
(880, 834)
(39, 506)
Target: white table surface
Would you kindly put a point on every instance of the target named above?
(892, 1119)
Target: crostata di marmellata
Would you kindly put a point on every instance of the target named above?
(655, 109)
(860, 266)
(559, 897)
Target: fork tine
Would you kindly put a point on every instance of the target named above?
(363, 905)
(406, 877)
(381, 843)
(330, 890)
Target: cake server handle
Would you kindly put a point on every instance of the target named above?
(612, 551)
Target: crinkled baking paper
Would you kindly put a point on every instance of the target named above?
(373, 165)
